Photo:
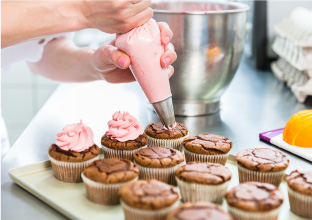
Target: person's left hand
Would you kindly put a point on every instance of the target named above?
(112, 64)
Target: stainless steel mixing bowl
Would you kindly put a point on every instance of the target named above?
(209, 40)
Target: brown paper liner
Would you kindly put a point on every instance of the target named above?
(219, 158)
(142, 214)
(120, 154)
(246, 175)
(300, 204)
(69, 171)
(166, 175)
(192, 192)
(101, 193)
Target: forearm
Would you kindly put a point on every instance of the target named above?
(24, 20)
(63, 61)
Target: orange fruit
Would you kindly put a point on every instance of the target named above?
(298, 130)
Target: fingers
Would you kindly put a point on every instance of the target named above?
(109, 57)
(165, 33)
(168, 57)
(170, 71)
(119, 76)
(139, 19)
(138, 6)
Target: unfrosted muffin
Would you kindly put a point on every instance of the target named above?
(158, 163)
(158, 135)
(103, 178)
(261, 165)
(254, 201)
(73, 151)
(203, 181)
(124, 137)
(148, 199)
(207, 148)
(300, 192)
(199, 211)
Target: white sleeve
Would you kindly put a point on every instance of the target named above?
(28, 51)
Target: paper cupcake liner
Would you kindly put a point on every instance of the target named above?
(218, 158)
(101, 193)
(192, 192)
(142, 214)
(120, 154)
(300, 204)
(239, 214)
(246, 175)
(166, 175)
(171, 143)
(69, 171)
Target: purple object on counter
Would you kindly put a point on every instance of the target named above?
(268, 135)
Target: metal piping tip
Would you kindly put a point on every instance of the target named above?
(165, 112)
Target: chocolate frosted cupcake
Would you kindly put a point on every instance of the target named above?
(254, 201)
(203, 181)
(148, 199)
(73, 151)
(124, 137)
(158, 163)
(199, 211)
(261, 165)
(158, 135)
(300, 192)
(207, 148)
(103, 178)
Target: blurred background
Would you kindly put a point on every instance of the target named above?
(23, 93)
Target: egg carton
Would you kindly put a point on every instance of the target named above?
(297, 27)
(300, 82)
(299, 57)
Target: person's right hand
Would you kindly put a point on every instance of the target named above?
(115, 16)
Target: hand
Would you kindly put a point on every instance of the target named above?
(112, 64)
(115, 16)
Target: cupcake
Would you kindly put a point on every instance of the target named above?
(207, 148)
(158, 163)
(261, 165)
(103, 178)
(158, 135)
(124, 137)
(203, 182)
(199, 211)
(300, 192)
(254, 201)
(73, 151)
(148, 199)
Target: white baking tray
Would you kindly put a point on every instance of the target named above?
(70, 198)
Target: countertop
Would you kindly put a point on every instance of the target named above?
(254, 102)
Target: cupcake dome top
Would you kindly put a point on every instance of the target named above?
(262, 159)
(158, 157)
(197, 211)
(158, 131)
(255, 197)
(300, 181)
(203, 173)
(208, 144)
(111, 170)
(148, 194)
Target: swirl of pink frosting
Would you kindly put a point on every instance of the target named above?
(75, 137)
(124, 127)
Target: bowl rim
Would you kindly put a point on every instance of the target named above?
(241, 7)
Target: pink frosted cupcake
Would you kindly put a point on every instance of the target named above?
(124, 137)
(73, 151)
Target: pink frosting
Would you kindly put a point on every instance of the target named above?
(75, 137)
(143, 45)
(124, 127)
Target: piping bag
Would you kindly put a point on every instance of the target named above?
(143, 45)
